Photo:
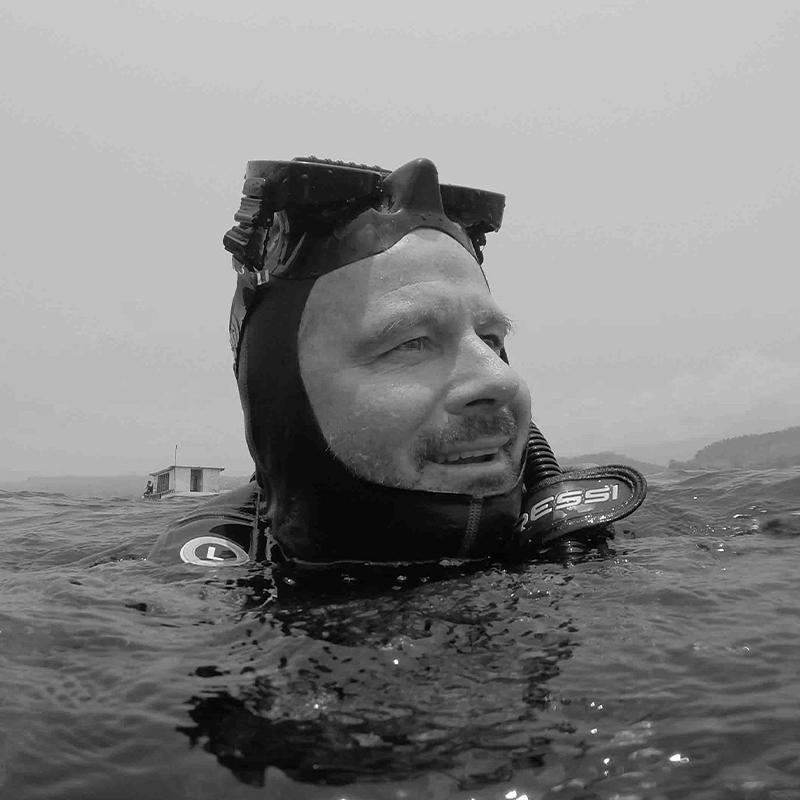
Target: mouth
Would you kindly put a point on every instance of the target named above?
(469, 454)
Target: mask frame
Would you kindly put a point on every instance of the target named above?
(284, 201)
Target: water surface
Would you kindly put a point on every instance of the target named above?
(667, 669)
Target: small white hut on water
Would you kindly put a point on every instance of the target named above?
(183, 481)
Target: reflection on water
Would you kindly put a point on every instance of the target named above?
(444, 676)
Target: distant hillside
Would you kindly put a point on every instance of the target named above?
(98, 485)
(607, 457)
(756, 450)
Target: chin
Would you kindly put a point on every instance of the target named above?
(492, 482)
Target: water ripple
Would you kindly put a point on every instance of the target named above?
(664, 670)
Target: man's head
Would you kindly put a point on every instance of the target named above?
(371, 363)
(400, 356)
(385, 422)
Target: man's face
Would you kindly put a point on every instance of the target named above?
(399, 354)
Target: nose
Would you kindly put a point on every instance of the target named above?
(481, 381)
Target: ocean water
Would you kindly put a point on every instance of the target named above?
(668, 668)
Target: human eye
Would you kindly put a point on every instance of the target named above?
(415, 344)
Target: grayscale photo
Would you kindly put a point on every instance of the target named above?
(400, 401)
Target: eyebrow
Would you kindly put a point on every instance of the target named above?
(417, 316)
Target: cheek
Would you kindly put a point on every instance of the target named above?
(521, 407)
(362, 407)
(523, 400)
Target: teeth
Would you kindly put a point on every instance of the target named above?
(456, 457)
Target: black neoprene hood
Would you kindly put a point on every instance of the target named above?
(298, 229)
(302, 219)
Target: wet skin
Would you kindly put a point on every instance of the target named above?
(400, 357)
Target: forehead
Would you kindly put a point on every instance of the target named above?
(426, 267)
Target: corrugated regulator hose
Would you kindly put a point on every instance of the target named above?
(541, 463)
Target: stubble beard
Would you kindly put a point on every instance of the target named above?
(367, 458)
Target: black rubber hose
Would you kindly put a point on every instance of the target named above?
(568, 549)
(540, 462)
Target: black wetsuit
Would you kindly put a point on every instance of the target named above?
(567, 511)
(384, 525)
(221, 531)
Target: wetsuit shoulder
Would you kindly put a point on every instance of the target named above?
(216, 533)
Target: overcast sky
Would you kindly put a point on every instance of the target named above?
(649, 253)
